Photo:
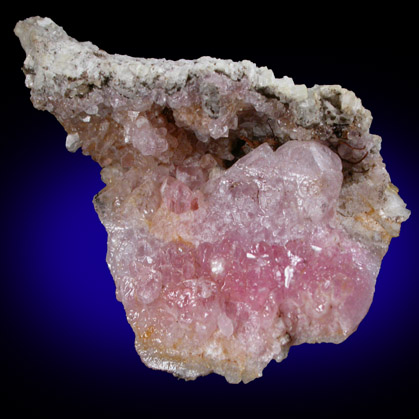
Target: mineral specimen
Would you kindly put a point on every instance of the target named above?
(245, 214)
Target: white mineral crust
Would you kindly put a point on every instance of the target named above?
(244, 213)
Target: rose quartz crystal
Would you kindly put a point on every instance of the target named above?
(245, 214)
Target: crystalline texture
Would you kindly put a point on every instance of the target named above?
(245, 214)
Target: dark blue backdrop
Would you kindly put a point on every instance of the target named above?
(65, 341)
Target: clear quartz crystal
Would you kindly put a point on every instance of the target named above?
(245, 214)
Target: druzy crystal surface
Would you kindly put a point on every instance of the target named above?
(245, 214)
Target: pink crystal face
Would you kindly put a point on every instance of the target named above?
(245, 214)
(235, 267)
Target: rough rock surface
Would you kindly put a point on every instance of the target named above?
(245, 214)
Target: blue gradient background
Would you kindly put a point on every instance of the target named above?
(66, 345)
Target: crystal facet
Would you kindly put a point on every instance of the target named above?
(245, 214)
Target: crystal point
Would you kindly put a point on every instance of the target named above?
(245, 214)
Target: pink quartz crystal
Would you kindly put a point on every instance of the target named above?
(245, 214)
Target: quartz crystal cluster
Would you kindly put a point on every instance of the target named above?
(245, 214)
